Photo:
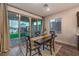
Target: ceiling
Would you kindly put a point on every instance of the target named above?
(38, 8)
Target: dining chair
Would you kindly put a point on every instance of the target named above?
(37, 33)
(33, 47)
(50, 42)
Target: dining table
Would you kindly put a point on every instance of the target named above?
(40, 40)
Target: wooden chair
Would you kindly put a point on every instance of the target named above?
(37, 33)
(32, 47)
(50, 43)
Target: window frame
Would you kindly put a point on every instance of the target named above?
(51, 26)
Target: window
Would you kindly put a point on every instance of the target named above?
(55, 25)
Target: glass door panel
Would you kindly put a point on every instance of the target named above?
(13, 19)
(34, 26)
(39, 23)
(24, 27)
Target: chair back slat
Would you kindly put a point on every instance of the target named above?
(29, 41)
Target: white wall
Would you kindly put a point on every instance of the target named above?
(69, 26)
(22, 12)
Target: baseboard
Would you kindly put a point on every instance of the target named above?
(64, 43)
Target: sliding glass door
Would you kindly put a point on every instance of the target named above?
(19, 27)
(13, 19)
(24, 28)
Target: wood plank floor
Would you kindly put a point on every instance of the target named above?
(68, 51)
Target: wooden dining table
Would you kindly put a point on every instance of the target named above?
(40, 40)
(41, 37)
